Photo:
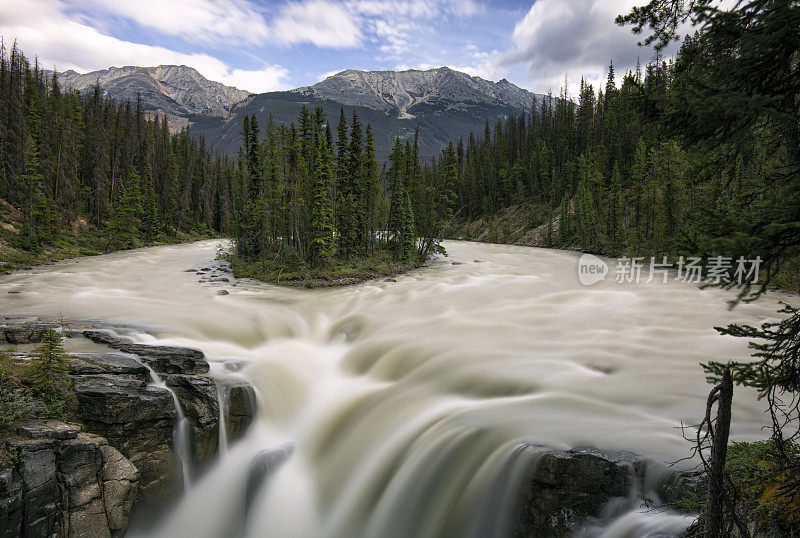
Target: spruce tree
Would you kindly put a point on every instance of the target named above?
(322, 245)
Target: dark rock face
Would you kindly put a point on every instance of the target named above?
(240, 409)
(62, 482)
(263, 466)
(10, 501)
(58, 480)
(198, 399)
(568, 487)
(137, 419)
(162, 359)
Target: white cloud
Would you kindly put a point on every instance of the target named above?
(205, 21)
(320, 22)
(41, 28)
(577, 38)
(270, 78)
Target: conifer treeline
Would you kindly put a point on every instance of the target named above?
(66, 157)
(598, 174)
(305, 197)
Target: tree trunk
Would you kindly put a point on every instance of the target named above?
(719, 449)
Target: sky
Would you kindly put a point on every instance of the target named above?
(261, 45)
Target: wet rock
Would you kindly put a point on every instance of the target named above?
(569, 486)
(107, 363)
(457, 263)
(240, 410)
(138, 420)
(162, 359)
(29, 332)
(222, 292)
(390, 280)
(262, 468)
(198, 399)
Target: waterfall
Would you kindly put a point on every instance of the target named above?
(181, 436)
(222, 438)
(413, 405)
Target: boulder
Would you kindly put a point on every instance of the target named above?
(569, 486)
(108, 363)
(198, 399)
(240, 409)
(263, 466)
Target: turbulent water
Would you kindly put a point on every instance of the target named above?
(404, 408)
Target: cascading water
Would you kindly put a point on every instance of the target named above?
(222, 401)
(180, 433)
(415, 407)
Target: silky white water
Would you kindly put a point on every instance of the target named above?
(403, 407)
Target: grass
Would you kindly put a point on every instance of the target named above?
(335, 273)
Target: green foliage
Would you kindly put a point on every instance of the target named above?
(758, 475)
(5, 367)
(14, 410)
(298, 199)
(67, 160)
(48, 374)
(123, 224)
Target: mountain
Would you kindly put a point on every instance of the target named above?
(176, 90)
(400, 91)
(444, 104)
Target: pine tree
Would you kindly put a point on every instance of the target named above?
(122, 226)
(322, 245)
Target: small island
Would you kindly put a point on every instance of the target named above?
(312, 212)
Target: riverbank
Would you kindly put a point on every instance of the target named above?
(529, 225)
(81, 239)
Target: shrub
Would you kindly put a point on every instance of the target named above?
(757, 474)
(48, 375)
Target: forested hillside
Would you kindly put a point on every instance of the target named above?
(85, 174)
(607, 174)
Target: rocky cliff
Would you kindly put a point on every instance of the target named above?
(119, 457)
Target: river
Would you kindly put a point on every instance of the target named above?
(404, 401)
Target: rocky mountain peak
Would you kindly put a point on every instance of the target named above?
(399, 92)
(178, 90)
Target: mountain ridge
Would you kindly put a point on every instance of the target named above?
(442, 103)
(176, 90)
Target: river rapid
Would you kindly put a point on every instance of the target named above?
(404, 403)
